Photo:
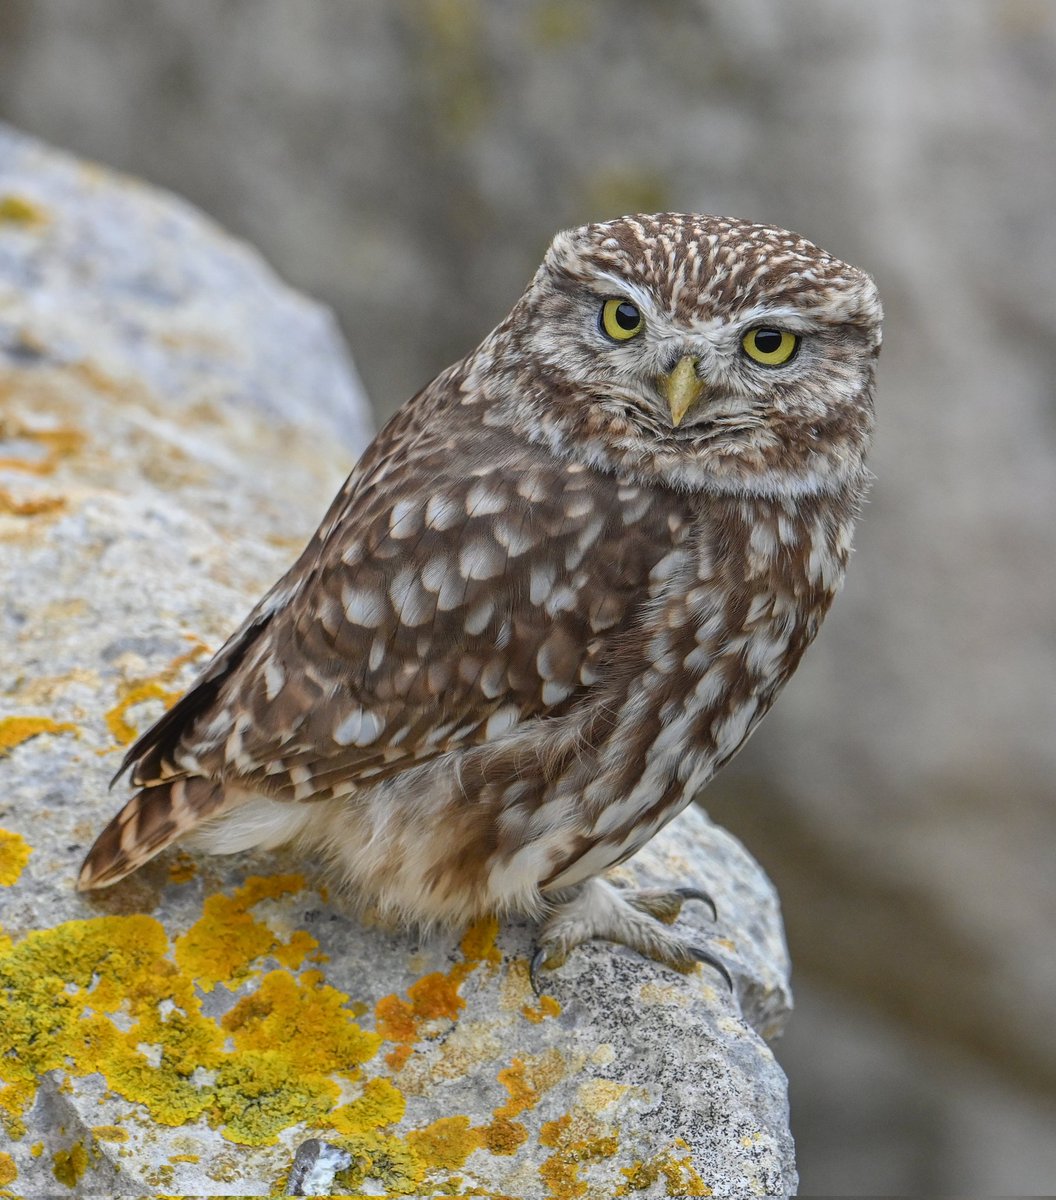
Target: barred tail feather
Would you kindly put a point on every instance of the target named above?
(150, 821)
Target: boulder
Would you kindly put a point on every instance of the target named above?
(173, 422)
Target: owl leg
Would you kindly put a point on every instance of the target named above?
(598, 910)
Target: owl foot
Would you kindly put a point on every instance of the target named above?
(598, 910)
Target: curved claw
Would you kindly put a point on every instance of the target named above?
(692, 893)
(705, 956)
(538, 958)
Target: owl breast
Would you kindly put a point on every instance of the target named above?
(731, 594)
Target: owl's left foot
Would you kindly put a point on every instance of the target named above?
(598, 910)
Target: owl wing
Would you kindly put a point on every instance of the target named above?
(458, 587)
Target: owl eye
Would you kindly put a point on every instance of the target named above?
(621, 320)
(771, 347)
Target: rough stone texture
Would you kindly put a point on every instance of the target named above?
(172, 423)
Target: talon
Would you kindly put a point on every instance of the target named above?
(691, 893)
(706, 957)
(538, 959)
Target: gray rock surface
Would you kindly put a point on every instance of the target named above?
(173, 422)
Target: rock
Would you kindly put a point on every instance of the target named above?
(173, 421)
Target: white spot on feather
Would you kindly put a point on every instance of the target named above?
(274, 678)
(359, 728)
(362, 607)
(442, 512)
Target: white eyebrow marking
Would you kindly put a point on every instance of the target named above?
(624, 287)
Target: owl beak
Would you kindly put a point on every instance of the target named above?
(682, 388)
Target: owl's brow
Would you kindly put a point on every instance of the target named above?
(785, 315)
(624, 287)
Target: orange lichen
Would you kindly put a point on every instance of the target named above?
(182, 869)
(525, 1080)
(39, 506)
(547, 1007)
(435, 995)
(14, 854)
(16, 730)
(57, 444)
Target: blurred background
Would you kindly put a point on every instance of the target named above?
(407, 161)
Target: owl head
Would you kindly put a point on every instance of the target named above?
(711, 353)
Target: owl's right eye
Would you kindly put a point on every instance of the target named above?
(621, 320)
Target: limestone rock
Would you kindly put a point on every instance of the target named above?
(173, 422)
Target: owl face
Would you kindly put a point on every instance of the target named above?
(714, 353)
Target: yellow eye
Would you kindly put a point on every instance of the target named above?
(771, 347)
(621, 320)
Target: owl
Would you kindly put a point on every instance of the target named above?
(558, 592)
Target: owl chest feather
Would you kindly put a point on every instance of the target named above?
(729, 615)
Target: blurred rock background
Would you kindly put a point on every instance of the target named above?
(407, 161)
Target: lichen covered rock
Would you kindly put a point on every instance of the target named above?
(173, 422)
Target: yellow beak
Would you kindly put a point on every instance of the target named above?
(682, 388)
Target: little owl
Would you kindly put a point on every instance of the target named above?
(557, 593)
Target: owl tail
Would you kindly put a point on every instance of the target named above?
(150, 821)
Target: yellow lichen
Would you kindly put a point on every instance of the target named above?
(309, 1021)
(678, 1173)
(478, 942)
(60, 989)
(70, 1165)
(14, 854)
(16, 730)
(259, 1093)
(221, 946)
(577, 1137)
(123, 732)
(598, 1094)
(17, 210)
(446, 1143)
(109, 1133)
(8, 1170)
(116, 995)
(300, 946)
(379, 1104)
(157, 687)
(387, 1159)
